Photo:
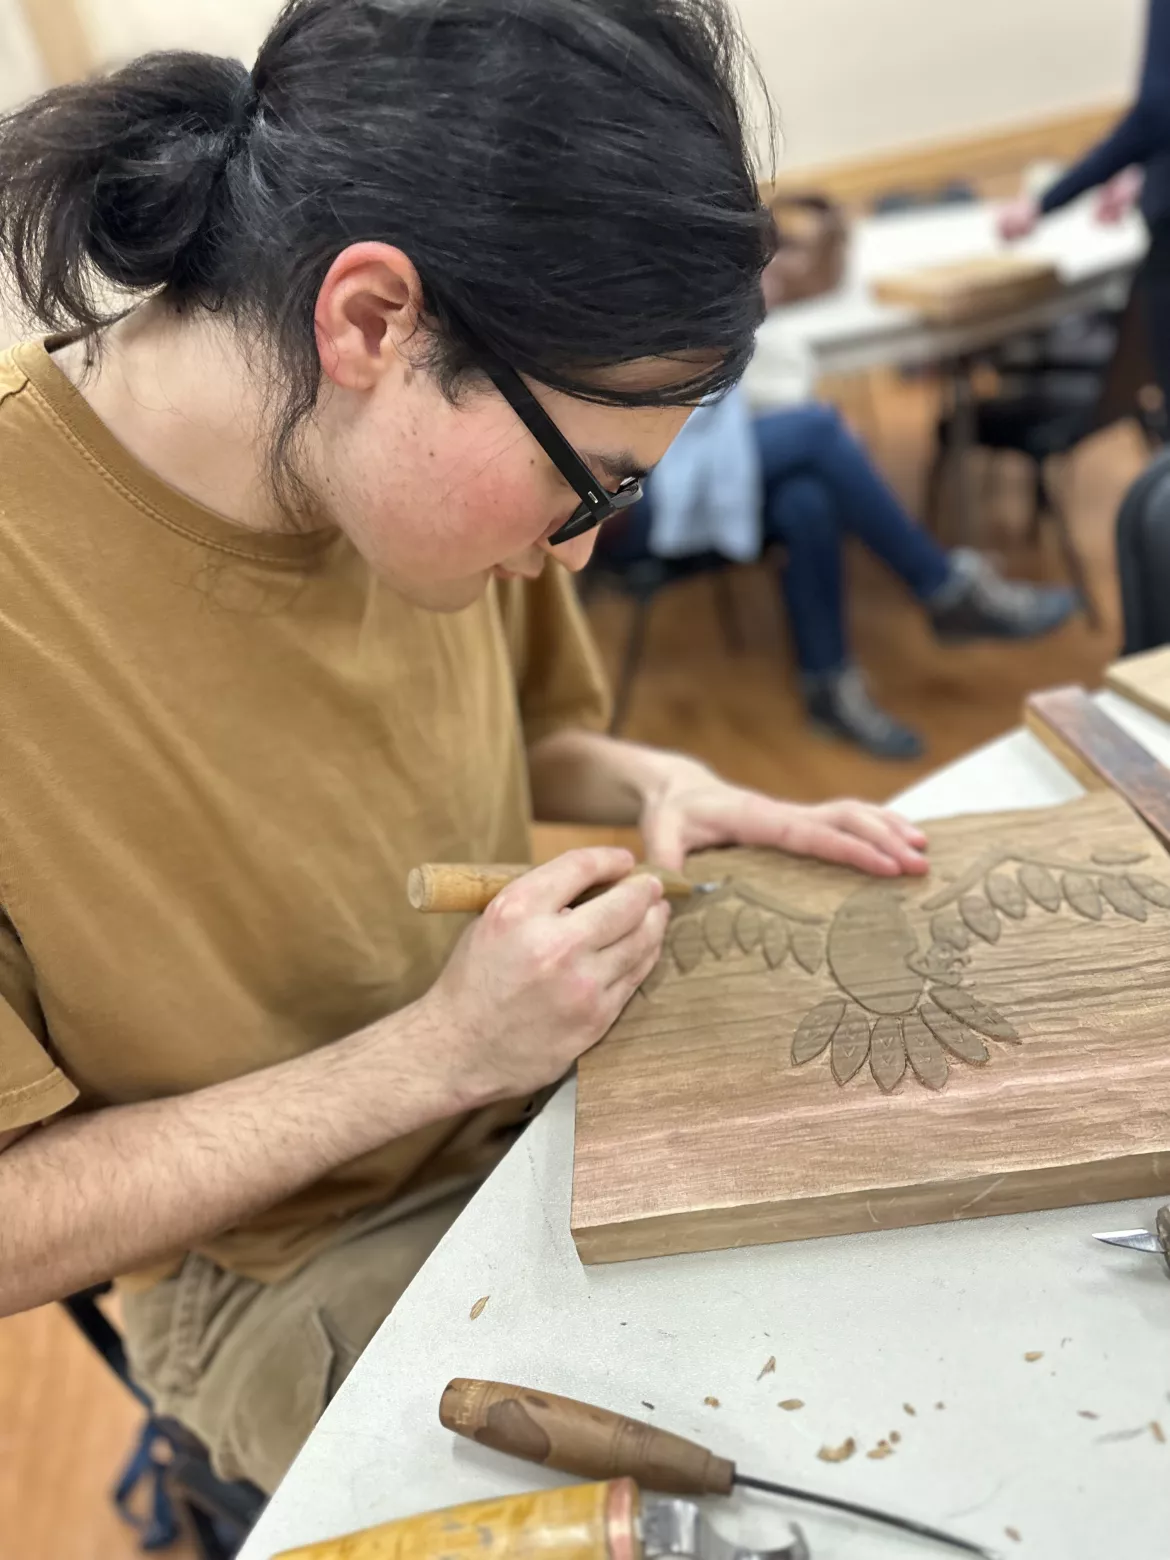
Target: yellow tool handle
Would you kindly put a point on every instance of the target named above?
(579, 1438)
(443, 885)
(581, 1522)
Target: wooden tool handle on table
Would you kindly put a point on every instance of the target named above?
(444, 885)
(579, 1438)
(581, 1522)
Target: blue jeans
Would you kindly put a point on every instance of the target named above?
(819, 487)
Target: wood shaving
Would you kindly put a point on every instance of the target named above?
(1157, 1432)
(650, 1406)
(1013, 1534)
(711, 1402)
(840, 1453)
(895, 1437)
(908, 1408)
(882, 1449)
(1087, 1413)
(477, 1308)
(940, 1405)
(1033, 1355)
(769, 1369)
(792, 1403)
(1121, 1435)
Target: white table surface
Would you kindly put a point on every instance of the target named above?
(848, 330)
(859, 1325)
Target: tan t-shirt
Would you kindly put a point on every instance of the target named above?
(220, 755)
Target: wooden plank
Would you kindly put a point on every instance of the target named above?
(927, 166)
(1000, 1027)
(1098, 751)
(61, 39)
(1145, 679)
(966, 289)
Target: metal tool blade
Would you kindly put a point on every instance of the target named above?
(1135, 1240)
(678, 1528)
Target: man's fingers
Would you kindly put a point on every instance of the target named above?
(881, 830)
(553, 886)
(637, 952)
(830, 842)
(613, 915)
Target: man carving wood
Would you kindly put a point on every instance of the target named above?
(285, 608)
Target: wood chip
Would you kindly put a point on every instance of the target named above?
(1033, 1355)
(840, 1453)
(711, 1402)
(908, 1408)
(650, 1406)
(1087, 1413)
(895, 1436)
(1013, 1534)
(940, 1405)
(790, 1404)
(769, 1369)
(1157, 1432)
(477, 1308)
(882, 1449)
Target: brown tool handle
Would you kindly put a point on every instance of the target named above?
(578, 1438)
(441, 885)
(582, 1522)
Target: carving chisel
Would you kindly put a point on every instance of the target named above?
(594, 1443)
(451, 886)
(608, 1521)
(1156, 1241)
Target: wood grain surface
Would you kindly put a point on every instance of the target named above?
(991, 1039)
(1145, 679)
(1099, 753)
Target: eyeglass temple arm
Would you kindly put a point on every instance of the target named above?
(574, 470)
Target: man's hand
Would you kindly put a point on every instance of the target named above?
(532, 983)
(695, 810)
(1018, 218)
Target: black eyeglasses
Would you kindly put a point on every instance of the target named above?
(597, 502)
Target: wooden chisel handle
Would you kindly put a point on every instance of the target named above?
(580, 1522)
(444, 885)
(578, 1438)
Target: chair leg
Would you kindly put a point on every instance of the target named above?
(933, 493)
(1040, 502)
(1073, 562)
(631, 661)
(729, 625)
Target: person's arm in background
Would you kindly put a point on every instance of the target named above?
(1140, 135)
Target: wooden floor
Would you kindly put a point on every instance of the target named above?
(65, 1428)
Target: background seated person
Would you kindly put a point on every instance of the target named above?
(732, 483)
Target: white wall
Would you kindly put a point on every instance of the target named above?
(854, 77)
(851, 77)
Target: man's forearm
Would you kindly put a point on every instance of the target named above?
(587, 777)
(94, 1195)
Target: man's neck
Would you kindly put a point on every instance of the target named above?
(178, 393)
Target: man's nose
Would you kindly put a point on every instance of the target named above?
(575, 554)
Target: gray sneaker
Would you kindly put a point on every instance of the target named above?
(977, 603)
(839, 704)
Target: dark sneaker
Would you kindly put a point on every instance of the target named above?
(977, 603)
(839, 703)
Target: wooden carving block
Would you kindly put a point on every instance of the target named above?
(965, 289)
(819, 1052)
(1145, 679)
(1099, 753)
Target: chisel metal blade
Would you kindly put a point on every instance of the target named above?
(1135, 1240)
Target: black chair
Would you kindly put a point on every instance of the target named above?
(1056, 390)
(169, 1462)
(1143, 558)
(641, 581)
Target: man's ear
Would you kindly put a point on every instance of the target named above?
(367, 309)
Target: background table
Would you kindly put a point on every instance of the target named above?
(859, 1326)
(848, 331)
